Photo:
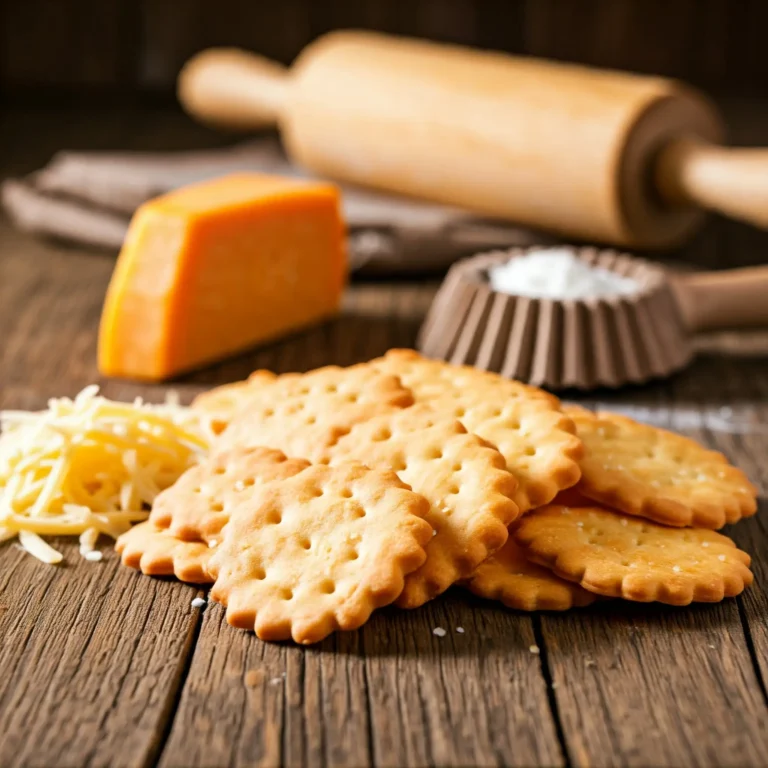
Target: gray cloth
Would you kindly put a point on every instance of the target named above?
(88, 198)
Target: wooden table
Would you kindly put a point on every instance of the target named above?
(100, 665)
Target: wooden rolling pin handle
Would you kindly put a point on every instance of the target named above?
(736, 298)
(730, 181)
(233, 89)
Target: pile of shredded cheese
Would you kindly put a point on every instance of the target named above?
(90, 466)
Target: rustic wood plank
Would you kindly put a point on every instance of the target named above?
(752, 536)
(392, 693)
(649, 685)
(748, 448)
(92, 657)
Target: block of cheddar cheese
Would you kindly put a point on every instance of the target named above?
(214, 268)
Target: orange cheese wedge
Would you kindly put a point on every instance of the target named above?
(214, 268)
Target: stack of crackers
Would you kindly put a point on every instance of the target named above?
(331, 493)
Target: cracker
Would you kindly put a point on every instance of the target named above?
(649, 472)
(221, 403)
(318, 551)
(621, 556)
(156, 552)
(464, 479)
(198, 505)
(302, 413)
(523, 422)
(509, 577)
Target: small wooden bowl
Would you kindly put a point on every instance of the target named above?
(559, 344)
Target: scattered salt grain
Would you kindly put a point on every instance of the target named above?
(198, 602)
(439, 631)
(557, 273)
(704, 543)
(535, 650)
(212, 543)
(721, 558)
(94, 556)
(676, 568)
(460, 630)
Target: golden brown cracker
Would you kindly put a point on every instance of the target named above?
(511, 578)
(649, 472)
(198, 505)
(302, 413)
(221, 403)
(318, 551)
(156, 552)
(464, 479)
(622, 556)
(523, 422)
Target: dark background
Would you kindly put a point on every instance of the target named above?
(131, 50)
(100, 74)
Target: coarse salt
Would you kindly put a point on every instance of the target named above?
(534, 649)
(557, 273)
(94, 556)
(198, 602)
(439, 631)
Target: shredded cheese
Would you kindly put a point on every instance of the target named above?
(90, 466)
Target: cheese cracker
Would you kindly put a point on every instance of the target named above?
(156, 552)
(620, 556)
(198, 505)
(318, 551)
(221, 403)
(649, 472)
(509, 577)
(302, 413)
(464, 479)
(523, 422)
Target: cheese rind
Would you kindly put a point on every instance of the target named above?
(217, 267)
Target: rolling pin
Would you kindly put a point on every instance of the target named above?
(590, 154)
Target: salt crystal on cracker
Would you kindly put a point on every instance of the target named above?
(286, 567)
(465, 480)
(662, 476)
(525, 423)
(639, 561)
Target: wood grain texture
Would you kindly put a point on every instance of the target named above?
(648, 685)
(92, 656)
(390, 694)
(116, 46)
